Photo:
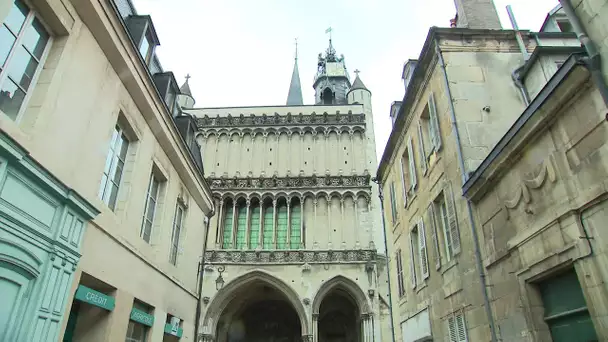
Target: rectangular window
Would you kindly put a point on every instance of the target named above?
(136, 331)
(393, 203)
(254, 233)
(145, 48)
(404, 176)
(23, 42)
(422, 254)
(228, 221)
(444, 231)
(409, 156)
(113, 169)
(413, 255)
(400, 283)
(457, 331)
(178, 221)
(150, 208)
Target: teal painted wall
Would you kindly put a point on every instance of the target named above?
(42, 223)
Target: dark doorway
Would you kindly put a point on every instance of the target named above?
(261, 314)
(338, 318)
(327, 96)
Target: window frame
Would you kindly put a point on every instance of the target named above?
(176, 232)
(147, 36)
(5, 67)
(400, 279)
(444, 221)
(153, 179)
(393, 203)
(115, 155)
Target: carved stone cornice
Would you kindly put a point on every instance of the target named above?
(299, 182)
(280, 120)
(289, 257)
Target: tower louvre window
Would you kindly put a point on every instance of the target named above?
(327, 96)
(254, 234)
(282, 221)
(295, 234)
(241, 227)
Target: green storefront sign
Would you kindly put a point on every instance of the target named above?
(90, 296)
(175, 331)
(142, 317)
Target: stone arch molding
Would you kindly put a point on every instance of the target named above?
(224, 296)
(350, 286)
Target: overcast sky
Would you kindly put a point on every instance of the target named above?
(240, 52)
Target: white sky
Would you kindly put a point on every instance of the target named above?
(240, 52)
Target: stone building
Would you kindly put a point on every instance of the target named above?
(467, 88)
(297, 228)
(102, 194)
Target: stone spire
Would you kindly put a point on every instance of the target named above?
(294, 97)
(185, 98)
(477, 14)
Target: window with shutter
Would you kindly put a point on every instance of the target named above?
(421, 151)
(435, 234)
(424, 263)
(412, 165)
(434, 124)
(400, 282)
(444, 223)
(457, 331)
(403, 178)
(454, 233)
(393, 203)
(413, 250)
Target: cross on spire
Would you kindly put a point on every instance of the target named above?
(188, 77)
(357, 71)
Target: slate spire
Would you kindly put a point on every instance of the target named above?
(294, 97)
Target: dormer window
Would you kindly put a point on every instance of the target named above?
(144, 35)
(167, 87)
(564, 25)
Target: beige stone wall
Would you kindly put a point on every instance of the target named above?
(67, 126)
(530, 236)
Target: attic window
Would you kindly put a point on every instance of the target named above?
(145, 48)
(564, 26)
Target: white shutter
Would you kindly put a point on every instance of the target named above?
(410, 154)
(452, 329)
(434, 124)
(403, 185)
(424, 261)
(412, 265)
(435, 236)
(423, 162)
(454, 234)
(461, 328)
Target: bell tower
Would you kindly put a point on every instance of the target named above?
(331, 82)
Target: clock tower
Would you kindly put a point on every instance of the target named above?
(331, 82)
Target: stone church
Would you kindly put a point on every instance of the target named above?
(291, 253)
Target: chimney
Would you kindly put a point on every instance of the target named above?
(477, 14)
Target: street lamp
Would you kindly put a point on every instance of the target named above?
(219, 282)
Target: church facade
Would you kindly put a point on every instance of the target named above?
(295, 236)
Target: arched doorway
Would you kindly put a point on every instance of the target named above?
(256, 307)
(339, 318)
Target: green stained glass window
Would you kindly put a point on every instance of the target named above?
(241, 228)
(295, 234)
(282, 226)
(268, 215)
(254, 234)
(227, 243)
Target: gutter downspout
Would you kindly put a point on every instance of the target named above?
(478, 261)
(201, 273)
(390, 297)
(515, 75)
(594, 61)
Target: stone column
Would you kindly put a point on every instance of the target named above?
(357, 225)
(302, 240)
(247, 224)
(343, 246)
(262, 160)
(218, 229)
(314, 203)
(288, 222)
(327, 152)
(315, 327)
(329, 243)
(365, 322)
(215, 153)
(364, 149)
(274, 223)
(234, 223)
(261, 228)
(227, 153)
(315, 140)
(240, 152)
(302, 149)
(289, 157)
(353, 170)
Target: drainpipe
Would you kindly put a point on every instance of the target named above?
(522, 47)
(201, 272)
(519, 84)
(594, 62)
(480, 270)
(388, 269)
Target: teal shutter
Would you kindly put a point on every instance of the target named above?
(282, 226)
(254, 234)
(296, 219)
(241, 229)
(268, 216)
(228, 218)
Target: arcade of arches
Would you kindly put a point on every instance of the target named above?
(258, 311)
